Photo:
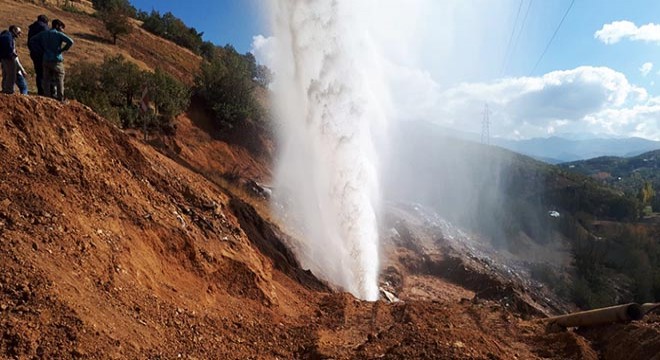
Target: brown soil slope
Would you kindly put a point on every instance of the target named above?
(108, 245)
(108, 249)
(196, 143)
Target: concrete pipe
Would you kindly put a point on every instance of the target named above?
(596, 317)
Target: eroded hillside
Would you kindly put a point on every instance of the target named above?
(107, 236)
(109, 249)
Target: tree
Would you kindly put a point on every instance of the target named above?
(172, 28)
(116, 22)
(108, 5)
(646, 194)
(112, 89)
(170, 97)
(263, 76)
(208, 50)
(125, 78)
(226, 84)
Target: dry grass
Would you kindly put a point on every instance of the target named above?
(93, 44)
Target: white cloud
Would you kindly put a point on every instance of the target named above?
(582, 100)
(263, 49)
(646, 68)
(640, 120)
(615, 31)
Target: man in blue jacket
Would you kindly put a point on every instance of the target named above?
(8, 58)
(37, 57)
(49, 43)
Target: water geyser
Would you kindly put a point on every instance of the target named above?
(330, 118)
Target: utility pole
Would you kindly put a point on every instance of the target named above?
(485, 126)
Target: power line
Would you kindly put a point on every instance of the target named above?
(553, 36)
(513, 31)
(522, 27)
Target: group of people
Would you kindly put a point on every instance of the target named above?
(46, 47)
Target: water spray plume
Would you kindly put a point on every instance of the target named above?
(329, 105)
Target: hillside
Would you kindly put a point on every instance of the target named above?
(627, 174)
(565, 148)
(197, 143)
(93, 44)
(111, 250)
(569, 231)
(490, 189)
(559, 150)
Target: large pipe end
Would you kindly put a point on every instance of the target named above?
(634, 312)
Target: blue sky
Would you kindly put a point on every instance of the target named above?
(237, 21)
(584, 84)
(222, 21)
(575, 44)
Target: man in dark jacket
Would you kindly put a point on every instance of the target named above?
(8, 58)
(38, 57)
(49, 43)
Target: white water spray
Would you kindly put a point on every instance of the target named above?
(330, 105)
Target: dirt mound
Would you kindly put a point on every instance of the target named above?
(637, 340)
(104, 238)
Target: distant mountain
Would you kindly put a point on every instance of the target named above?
(489, 189)
(558, 150)
(627, 174)
(567, 147)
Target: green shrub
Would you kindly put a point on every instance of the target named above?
(226, 85)
(547, 275)
(115, 5)
(172, 28)
(113, 89)
(169, 96)
(589, 295)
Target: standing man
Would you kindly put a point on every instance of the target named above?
(8, 58)
(37, 57)
(49, 43)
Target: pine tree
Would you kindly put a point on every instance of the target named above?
(116, 22)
